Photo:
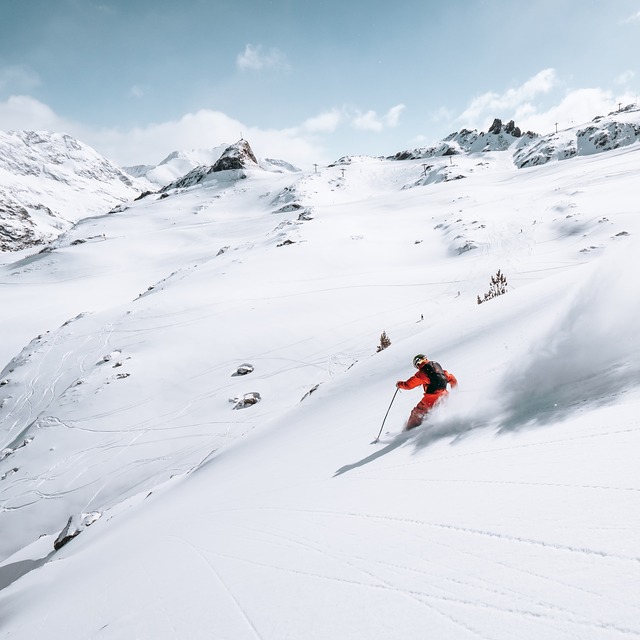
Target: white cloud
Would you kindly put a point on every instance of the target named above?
(493, 104)
(634, 18)
(151, 143)
(370, 121)
(18, 78)
(576, 107)
(203, 129)
(255, 59)
(24, 112)
(625, 77)
(525, 105)
(325, 122)
(137, 91)
(392, 117)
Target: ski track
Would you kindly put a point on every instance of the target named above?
(238, 605)
(324, 550)
(477, 481)
(465, 530)
(551, 611)
(425, 598)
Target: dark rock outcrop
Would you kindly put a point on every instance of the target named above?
(237, 156)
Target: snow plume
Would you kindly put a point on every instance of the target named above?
(589, 355)
(586, 355)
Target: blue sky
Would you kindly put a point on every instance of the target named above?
(308, 81)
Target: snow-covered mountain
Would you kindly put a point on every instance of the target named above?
(175, 165)
(180, 169)
(48, 181)
(233, 161)
(499, 137)
(617, 129)
(196, 395)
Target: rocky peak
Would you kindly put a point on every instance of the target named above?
(237, 156)
(510, 128)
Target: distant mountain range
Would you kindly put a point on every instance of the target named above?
(49, 181)
(617, 129)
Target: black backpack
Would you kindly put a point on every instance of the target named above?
(437, 378)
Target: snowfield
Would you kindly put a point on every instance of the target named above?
(513, 513)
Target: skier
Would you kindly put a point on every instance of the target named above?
(434, 380)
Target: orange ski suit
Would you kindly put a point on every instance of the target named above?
(428, 399)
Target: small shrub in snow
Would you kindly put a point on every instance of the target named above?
(497, 287)
(384, 342)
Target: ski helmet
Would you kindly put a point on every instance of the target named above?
(418, 360)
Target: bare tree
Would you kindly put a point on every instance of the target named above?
(497, 287)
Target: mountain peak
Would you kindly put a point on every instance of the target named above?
(236, 156)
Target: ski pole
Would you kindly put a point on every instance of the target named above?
(385, 416)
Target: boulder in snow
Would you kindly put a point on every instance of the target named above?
(243, 370)
(246, 400)
(75, 525)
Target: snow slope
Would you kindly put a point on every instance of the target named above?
(512, 514)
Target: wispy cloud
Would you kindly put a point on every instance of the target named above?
(492, 104)
(370, 121)
(575, 108)
(633, 18)
(254, 58)
(529, 104)
(625, 77)
(18, 78)
(137, 91)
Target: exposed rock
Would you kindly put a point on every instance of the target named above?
(247, 400)
(498, 138)
(243, 370)
(237, 156)
(607, 136)
(8, 473)
(75, 525)
(496, 127)
(306, 395)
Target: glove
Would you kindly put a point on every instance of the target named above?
(399, 384)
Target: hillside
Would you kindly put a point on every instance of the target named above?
(513, 513)
(49, 181)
